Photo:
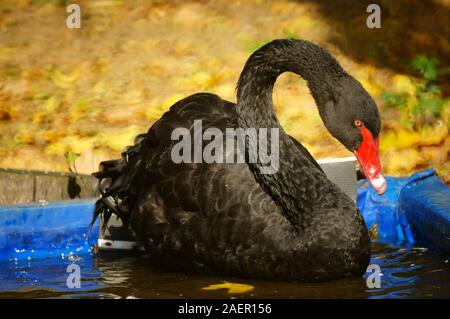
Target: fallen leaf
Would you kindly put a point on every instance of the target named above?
(233, 288)
(65, 80)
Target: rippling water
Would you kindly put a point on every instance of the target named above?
(407, 273)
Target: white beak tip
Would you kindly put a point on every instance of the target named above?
(379, 184)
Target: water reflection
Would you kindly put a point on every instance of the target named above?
(407, 273)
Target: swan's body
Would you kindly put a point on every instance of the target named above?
(228, 218)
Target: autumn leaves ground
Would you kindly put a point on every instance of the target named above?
(92, 90)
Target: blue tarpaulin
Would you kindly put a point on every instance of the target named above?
(413, 211)
(425, 203)
(49, 230)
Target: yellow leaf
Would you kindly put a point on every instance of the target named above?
(171, 100)
(51, 105)
(6, 52)
(398, 140)
(302, 23)
(402, 83)
(226, 91)
(133, 96)
(102, 4)
(118, 139)
(202, 79)
(24, 138)
(130, 46)
(433, 135)
(371, 87)
(39, 117)
(402, 138)
(157, 108)
(233, 288)
(65, 80)
(403, 161)
(75, 144)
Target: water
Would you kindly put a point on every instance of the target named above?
(407, 273)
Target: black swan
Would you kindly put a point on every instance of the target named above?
(230, 219)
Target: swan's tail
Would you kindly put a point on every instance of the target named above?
(115, 184)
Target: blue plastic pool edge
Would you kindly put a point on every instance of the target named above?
(55, 229)
(413, 211)
(425, 204)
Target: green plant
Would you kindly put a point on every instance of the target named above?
(427, 103)
(70, 160)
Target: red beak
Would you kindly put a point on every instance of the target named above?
(369, 159)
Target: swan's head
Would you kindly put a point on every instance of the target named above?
(350, 114)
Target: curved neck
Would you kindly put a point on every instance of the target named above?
(292, 186)
(256, 82)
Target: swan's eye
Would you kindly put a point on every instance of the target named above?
(357, 123)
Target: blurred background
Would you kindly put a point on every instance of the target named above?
(87, 92)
